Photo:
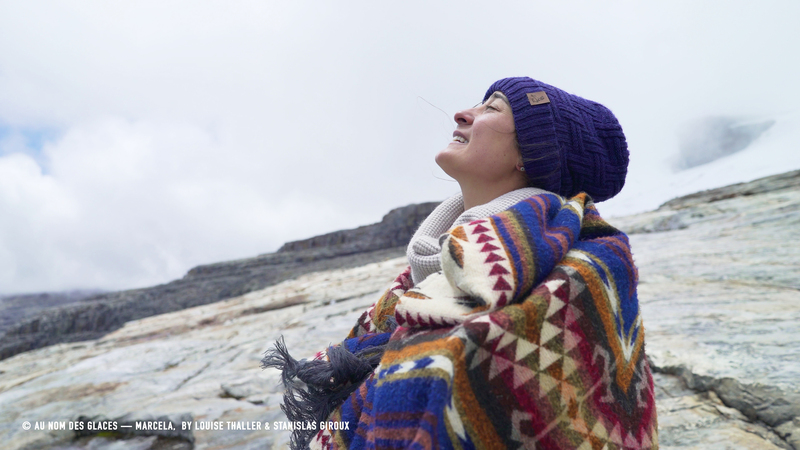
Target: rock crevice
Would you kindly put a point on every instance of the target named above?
(778, 410)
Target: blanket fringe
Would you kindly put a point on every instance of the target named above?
(315, 388)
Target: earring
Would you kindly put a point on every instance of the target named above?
(521, 168)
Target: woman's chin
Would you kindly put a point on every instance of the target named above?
(452, 150)
(455, 145)
(447, 163)
(444, 158)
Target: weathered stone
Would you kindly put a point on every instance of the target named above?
(726, 289)
(202, 361)
(790, 432)
(16, 308)
(768, 404)
(687, 419)
(774, 183)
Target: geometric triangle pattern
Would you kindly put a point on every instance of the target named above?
(376, 319)
(557, 363)
(481, 268)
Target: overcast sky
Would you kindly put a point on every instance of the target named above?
(139, 139)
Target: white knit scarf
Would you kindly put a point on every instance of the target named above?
(424, 248)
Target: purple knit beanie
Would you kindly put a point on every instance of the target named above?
(568, 144)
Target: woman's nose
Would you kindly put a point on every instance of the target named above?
(464, 117)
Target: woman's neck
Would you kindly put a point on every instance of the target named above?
(475, 195)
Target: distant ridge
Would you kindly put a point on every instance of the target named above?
(92, 316)
(788, 180)
(16, 307)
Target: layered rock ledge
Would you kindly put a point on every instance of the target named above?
(93, 316)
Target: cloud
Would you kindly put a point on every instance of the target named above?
(125, 203)
(177, 133)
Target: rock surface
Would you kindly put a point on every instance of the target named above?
(97, 315)
(201, 363)
(775, 183)
(718, 293)
(16, 308)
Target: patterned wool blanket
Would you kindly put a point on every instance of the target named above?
(530, 337)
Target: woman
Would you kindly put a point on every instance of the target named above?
(517, 323)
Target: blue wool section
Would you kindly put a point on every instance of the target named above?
(368, 340)
(384, 373)
(423, 363)
(407, 403)
(526, 214)
(351, 411)
(547, 251)
(563, 221)
(623, 274)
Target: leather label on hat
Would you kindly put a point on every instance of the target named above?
(538, 98)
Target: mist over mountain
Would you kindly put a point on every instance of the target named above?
(704, 140)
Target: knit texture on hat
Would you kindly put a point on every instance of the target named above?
(569, 144)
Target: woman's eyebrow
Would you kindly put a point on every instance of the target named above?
(496, 95)
(501, 96)
(492, 97)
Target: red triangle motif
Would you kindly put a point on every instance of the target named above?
(478, 221)
(497, 269)
(501, 285)
(494, 257)
(487, 247)
(630, 441)
(480, 229)
(410, 320)
(498, 366)
(502, 300)
(484, 238)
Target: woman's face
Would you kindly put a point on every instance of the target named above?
(484, 148)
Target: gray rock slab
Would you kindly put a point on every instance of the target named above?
(691, 420)
(201, 363)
